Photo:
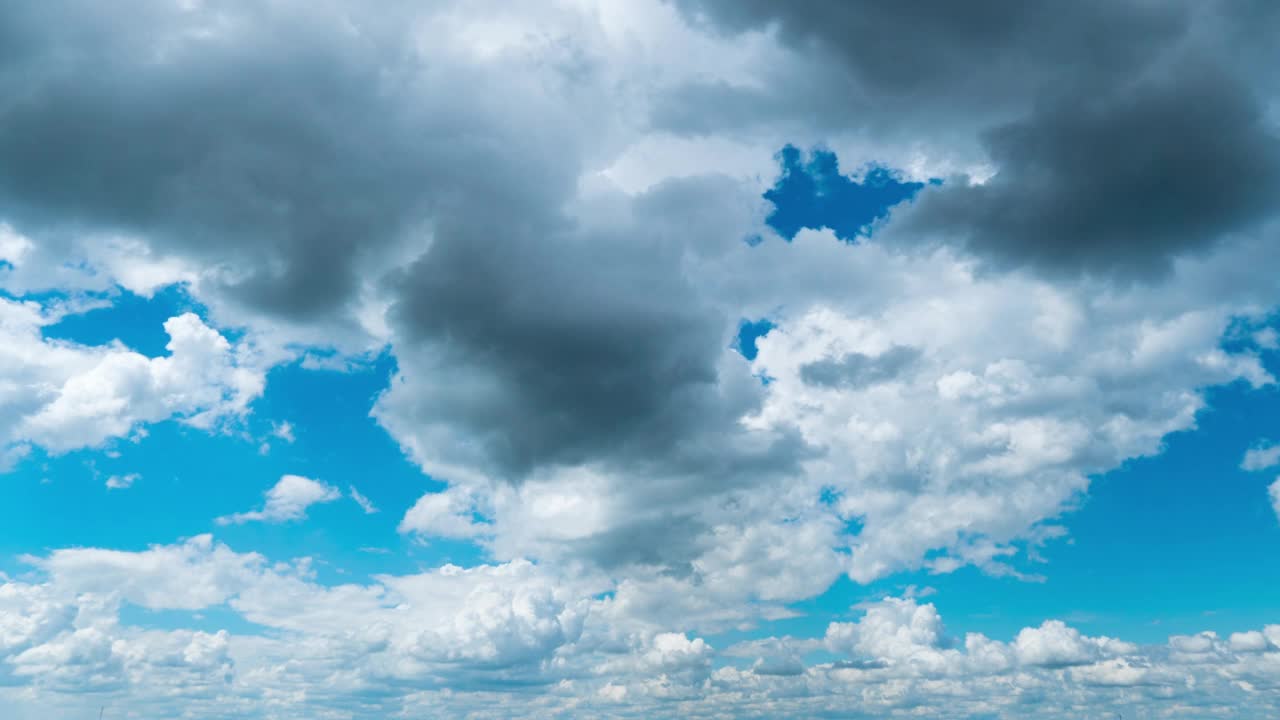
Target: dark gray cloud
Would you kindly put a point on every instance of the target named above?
(1117, 181)
(577, 345)
(286, 142)
(908, 68)
(919, 48)
(525, 355)
(857, 370)
(1121, 133)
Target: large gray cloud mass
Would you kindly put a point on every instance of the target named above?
(1120, 133)
(286, 141)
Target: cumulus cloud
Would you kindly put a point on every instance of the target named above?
(452, 637)
(122, 482)
(287, 500)
(195, 574)
(63, 396)
(989, 392)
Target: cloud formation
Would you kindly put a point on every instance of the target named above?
(288, 500)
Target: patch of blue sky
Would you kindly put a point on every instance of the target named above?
(134, 320)
(813, 193)
(748, 332)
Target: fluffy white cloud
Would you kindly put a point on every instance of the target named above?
(1274, 492)
(287, 500)
(1054, 644)
(450, 514)
(447, 638)
(63, 396)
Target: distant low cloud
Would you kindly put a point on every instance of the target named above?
(122, 482)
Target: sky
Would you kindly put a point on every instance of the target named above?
(639, 359)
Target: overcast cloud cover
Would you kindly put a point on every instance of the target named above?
(1003, 248)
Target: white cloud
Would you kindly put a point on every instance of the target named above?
(283, 430)
(195, 574)
(1274, 492)
(991, 428)
(992, 398)
(365, 503)
(449, 514)
(287, 500)
(1261, 457)
(1249, 642)
(63, 396)
(1053, 644)
(122, 482)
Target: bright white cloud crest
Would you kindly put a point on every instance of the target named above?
(62, 396)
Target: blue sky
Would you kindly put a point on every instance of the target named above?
(661, 359)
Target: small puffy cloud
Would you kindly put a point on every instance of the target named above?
(122, 482)
(1054, 644)
(1116, 672)
(454, 638)
(1274, 492)
(283, 430)
(287, 500)
(1261, 457)
(675, 652)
